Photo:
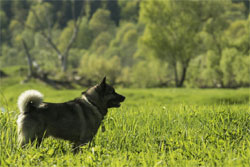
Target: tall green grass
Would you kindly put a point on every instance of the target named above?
(154, 127)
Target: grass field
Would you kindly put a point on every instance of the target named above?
(154, 127)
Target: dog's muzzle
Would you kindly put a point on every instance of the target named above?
(116, 102)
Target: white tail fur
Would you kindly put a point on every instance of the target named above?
(28, 96)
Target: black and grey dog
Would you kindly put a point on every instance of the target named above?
(77, 120)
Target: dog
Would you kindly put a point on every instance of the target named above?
(77, 120)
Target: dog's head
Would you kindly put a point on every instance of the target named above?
(104, 95)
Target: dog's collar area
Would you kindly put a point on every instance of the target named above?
(94, 105)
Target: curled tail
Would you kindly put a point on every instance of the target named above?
(27, 98)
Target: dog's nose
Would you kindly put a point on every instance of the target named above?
(123, 98)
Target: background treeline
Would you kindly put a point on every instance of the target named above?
(134, 43)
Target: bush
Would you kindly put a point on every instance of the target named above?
(241, 69)
(149, 74)
(12, 56)
(93, 68)
(226, 66)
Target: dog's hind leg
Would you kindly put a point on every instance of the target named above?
(25, 136)
(28, 131)
(38, 141)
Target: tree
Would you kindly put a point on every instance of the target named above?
(93, 6)
(237, 39)
(241, 70)
(124, 45)
(149, 73)
(226, 64)
(101, 42)
(129, 10)
(101, 22)
(171, 32)
(62, 10)
(6, 7)
(40, 19)
(224, 31)
(96, 66)
(114, 9)
(85, 35)
(4, 26)
(31, 73)
(237, 35)
(246, 3)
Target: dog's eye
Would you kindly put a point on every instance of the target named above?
(112, 91)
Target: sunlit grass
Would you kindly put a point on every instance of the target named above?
(154, 127)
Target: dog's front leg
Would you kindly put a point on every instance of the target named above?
(103, 127)
(76, 147)
(38, 142)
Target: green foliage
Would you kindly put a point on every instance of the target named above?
(65, 36)
(237, 35)
(75, 58)
(124, 44)
(93, 68)
(11, 56)
(226, 65)
(15, 27)
(101, 22)
(129, 10)
(171, 32)
(26, 35)
(19, 9)
(114, 9)
(45, 59)
(235, 67)
(41, 11)
(6, 7)
(4, 25)
(85, 35)
(213, 69)
(216, 26)
(101, 42)
(241, 70)
(4, 19)
(204, 43)
(149, 74)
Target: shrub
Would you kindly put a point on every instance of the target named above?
(93, 68)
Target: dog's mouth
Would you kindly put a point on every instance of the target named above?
(116, 103)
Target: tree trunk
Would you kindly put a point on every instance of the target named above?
(29, 59)
(175, 75)
(64, 62)
(184, 71)
(183, 76)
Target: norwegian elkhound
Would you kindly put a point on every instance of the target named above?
(77, 120)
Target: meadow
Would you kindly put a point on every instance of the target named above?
(154, 127)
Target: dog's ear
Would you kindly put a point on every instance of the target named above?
(103, 83)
